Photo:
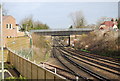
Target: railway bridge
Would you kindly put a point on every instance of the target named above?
(61, 33)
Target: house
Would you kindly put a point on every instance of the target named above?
(107, 25)
(10, 28)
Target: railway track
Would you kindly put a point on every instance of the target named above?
(75, 58)
(113, 68)
(72, 71)
(98, 76)
(98, 57)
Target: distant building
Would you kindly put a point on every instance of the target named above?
(109, 25)
(10, 28)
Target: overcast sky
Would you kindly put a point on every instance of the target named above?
(56, 14)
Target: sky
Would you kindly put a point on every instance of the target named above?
(57, 14)
(119, 9)
(60, 0)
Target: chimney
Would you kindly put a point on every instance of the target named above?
(112, 20)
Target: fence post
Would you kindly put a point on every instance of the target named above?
(55, 70)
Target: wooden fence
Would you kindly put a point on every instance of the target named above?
(31, 70)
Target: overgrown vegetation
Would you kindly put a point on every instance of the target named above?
(41, 47)
(104, 43)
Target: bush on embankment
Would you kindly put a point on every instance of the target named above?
(101, 42)
(41, 47)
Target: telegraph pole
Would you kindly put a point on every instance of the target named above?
(2, 50)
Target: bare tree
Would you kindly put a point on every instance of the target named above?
(29, 23)
(4, 11)
(78, 19)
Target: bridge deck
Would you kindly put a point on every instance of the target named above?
(62, 31)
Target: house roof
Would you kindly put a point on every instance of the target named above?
(108, 23)
(5, 17)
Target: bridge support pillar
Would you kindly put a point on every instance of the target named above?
(69, 40)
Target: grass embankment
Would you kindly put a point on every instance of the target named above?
(41, 47)
(15, 44)
(18, 43)
(21, 45)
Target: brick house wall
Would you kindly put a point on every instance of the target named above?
(9, 28)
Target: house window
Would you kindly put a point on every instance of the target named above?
(10, 26)
(7, 26)
(9, 36)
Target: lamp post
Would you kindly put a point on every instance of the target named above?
(2, 50)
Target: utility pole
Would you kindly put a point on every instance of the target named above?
(26, 28)
(2, 50)
(14, 35)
